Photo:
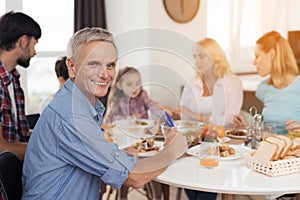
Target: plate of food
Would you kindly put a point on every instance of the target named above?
(227, 151)
(134, 128)
(237, 133)
(148, 147)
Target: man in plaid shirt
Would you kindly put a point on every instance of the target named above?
(19, 34)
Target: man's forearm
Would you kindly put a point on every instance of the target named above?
(148, 168)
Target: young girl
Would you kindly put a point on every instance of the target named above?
(127, 97)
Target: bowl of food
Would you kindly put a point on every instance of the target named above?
(213, 133)
(190, 129)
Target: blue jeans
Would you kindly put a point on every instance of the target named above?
(200, 195)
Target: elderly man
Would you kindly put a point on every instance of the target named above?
(67, 154)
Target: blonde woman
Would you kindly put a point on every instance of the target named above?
(214, 93)
(280, 93)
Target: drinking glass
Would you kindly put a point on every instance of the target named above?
(209, 154)
(269, 129)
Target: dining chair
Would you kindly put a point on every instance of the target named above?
(32, 119)
(11, 175)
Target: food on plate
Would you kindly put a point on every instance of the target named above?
(277, 147)
(226, 150)
(212, 133)
(145, 145)
(293, 134)
(237, 132)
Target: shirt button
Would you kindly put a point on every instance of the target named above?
(116, 154)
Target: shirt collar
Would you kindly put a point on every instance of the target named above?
(80, 102)
(5, 75)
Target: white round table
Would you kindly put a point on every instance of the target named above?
(230, 177)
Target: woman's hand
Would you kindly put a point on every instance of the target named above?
(239, 121)
(292, 125)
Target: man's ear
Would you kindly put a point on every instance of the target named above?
(71, 68)
(22, 41)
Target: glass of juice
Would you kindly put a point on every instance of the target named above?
(209, 154)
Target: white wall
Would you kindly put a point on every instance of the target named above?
(162, 53)
(293, 18)
(165, 56)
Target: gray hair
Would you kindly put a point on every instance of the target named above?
(87, 35)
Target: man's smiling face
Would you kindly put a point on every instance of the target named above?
(94, 68)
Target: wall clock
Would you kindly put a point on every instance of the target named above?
(182, 11)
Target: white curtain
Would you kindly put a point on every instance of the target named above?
(237, 24)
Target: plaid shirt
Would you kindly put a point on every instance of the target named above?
(13, 130)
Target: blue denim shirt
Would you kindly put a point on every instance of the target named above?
(67, 155)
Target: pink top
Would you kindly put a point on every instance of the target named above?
(226, 101)
(124, 108)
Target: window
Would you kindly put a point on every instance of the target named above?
(237, 24)
(56, 20)
(2, 7)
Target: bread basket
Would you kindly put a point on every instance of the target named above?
(273, 168)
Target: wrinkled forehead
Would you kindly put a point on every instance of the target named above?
(99, 50)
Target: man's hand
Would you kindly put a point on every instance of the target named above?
(131, 152)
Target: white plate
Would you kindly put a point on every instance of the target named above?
(236, 136)
(128, 127)
(151, 153)
(226, 139)
(240, 151)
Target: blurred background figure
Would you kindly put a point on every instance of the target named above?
(214, 94)
(128, 99)
(17, 47)
(62, 75)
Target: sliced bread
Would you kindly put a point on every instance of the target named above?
(296, 143)
(288, 142)
(266, 151)
(280, 142)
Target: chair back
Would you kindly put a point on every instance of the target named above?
(11, 175)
